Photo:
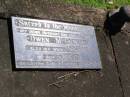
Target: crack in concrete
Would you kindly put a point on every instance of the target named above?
(118, 68)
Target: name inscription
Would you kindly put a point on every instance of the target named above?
(54, 45)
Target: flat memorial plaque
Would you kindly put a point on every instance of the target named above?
(45, 44)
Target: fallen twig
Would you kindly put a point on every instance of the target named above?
(65, 77)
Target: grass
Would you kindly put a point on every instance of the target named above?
(100, 3)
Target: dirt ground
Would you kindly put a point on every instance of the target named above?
(112, 81)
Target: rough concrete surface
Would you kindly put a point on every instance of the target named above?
(121, 43)
(88, 83)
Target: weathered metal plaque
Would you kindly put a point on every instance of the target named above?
(44, 44)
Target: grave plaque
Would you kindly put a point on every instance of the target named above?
(45, 44)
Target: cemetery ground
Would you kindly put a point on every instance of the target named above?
(111, 81)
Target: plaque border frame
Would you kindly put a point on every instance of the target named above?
(12, 49)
